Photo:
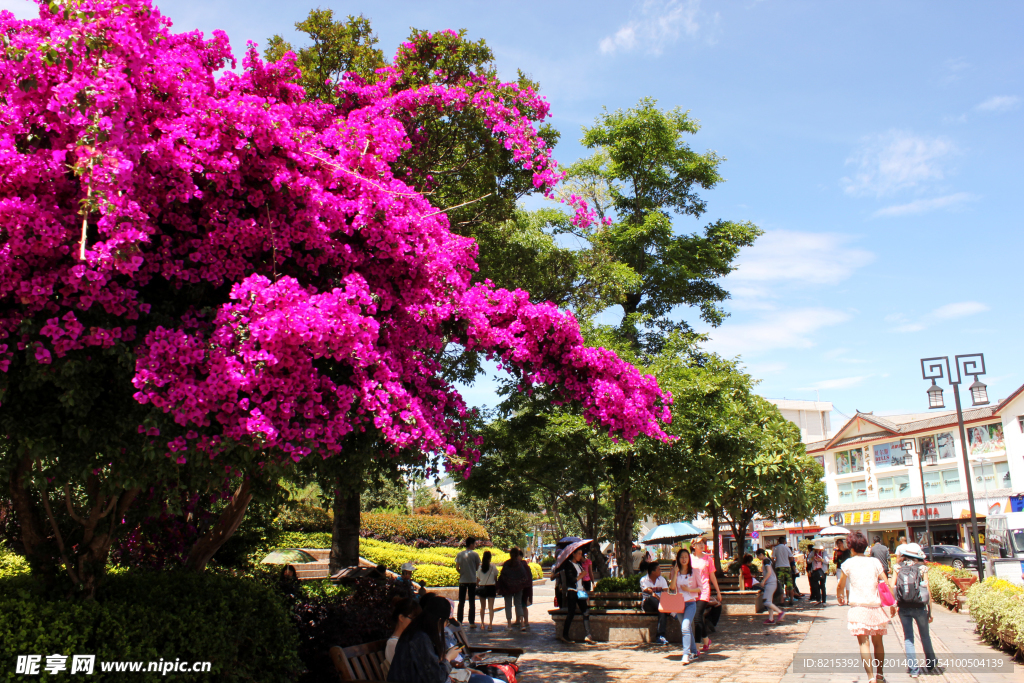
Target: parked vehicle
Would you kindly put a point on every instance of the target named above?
(1004, 540)
(954, 556)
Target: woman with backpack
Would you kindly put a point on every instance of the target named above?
(914, 603)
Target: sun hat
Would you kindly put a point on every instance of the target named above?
(819, 546)
(408, 567)
(913, 550)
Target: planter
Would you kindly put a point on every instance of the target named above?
(963, 584)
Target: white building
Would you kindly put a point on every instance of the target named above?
(875, 486)
(812, 417)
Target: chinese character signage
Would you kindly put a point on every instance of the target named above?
(986, 440)
(888, 455)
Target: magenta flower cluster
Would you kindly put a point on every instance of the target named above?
(129, 169)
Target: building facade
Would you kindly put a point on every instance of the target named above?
(812, 417)
(875, 485)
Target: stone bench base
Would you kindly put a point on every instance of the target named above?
(637, 627)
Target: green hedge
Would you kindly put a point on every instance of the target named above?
(434, 566)
(943, 591)
(618, 584)
(238, 625)
(12, 564)
(437, 528)
(997, 607)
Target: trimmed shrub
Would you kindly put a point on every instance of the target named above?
(11, 564)
(238, 625)
(997, 607)
(421, 530)
(618, 584)
(306, 518)
(943, 591)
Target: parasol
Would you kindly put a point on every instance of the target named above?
(567, 552)
(667, 534)
(834, 531)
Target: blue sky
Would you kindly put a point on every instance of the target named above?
(878, 144)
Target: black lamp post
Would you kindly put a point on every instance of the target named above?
(972, 364)
(908, 447)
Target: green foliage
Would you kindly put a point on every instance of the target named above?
(943, 590)
(618, 584)
(997, 608)
(303, 517)
(12, 564)
(506, 527)
(450, 530)
(238, 625)
(338, 47)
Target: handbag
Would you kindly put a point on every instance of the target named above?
(672, 603)
(885, 595)
(581, 595)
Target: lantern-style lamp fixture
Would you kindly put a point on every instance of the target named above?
(979, 392)
(935, 396)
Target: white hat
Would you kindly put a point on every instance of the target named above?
(913, 550)
(819, 546)
(408, 567)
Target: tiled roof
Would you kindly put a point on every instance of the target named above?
(894, 429)
(1005, 401)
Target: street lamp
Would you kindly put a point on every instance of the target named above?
(972, 364)
(908, 447)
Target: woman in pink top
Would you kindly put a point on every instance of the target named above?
(586, 576)
(685, 581)
(704, 568)
(866, 618)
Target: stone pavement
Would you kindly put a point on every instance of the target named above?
(743, 651)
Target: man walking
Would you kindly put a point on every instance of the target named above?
(881, 553)
(782, 556)
(466, 563)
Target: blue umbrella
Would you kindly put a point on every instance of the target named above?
(670, 533)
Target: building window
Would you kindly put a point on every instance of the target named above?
(936, 447)
(845, 492)
(860, 491)
(893, 487)
(992, 475)
(943, 481)
(848, 462)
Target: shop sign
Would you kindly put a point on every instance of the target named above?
(866, 517)
(836, 519)
(889, 455)
(914, 513)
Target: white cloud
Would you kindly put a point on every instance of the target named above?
(999, 103)
(841, 383)
(815, 258)
(895, 161)
(923, 205)
(951, 311)
(959, 310)
(655, 24)
(784, 330)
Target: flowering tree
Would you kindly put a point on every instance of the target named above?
(202, 276)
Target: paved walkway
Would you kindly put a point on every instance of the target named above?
(951, 634)
(743, 651)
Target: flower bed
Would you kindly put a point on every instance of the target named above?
(943, 588)
(997, 607)
(434, 566)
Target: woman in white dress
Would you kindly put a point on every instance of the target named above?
(867, 619)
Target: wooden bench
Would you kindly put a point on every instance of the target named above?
(361, 662)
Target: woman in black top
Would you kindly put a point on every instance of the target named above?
(575, 595)
(421, 647)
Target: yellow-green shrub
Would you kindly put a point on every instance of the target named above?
(997, 607)
(436, 528)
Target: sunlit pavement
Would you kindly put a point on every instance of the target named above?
(744, 650)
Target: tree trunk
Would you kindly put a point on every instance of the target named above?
(37, 548)
(98, 535)
(345, 532)
(210, 542)
(625, 516)
(739, 530)
(716, 539)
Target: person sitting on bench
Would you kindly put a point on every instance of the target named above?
(651, 586)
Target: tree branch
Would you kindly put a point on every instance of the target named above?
(60, 539)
